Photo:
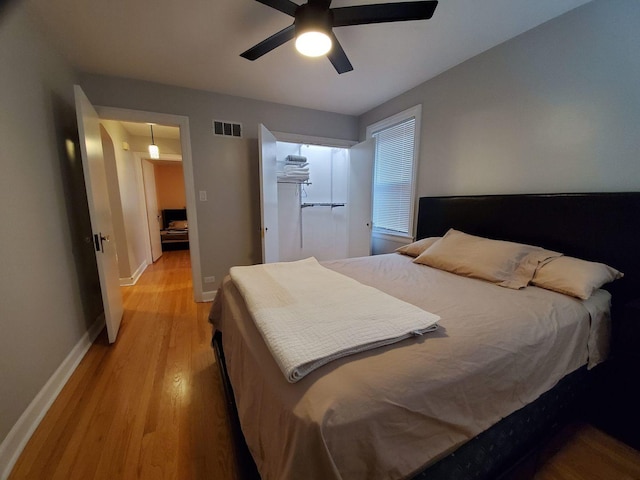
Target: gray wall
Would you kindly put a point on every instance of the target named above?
(49, 293)
(227, 168)
(556, 109)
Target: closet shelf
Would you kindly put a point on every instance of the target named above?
(332, 205)
(295, 182)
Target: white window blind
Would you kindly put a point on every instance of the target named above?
(393, 177)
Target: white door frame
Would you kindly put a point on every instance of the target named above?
(181, 121)
(311, 140)
(267, 153)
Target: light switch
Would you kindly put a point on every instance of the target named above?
(203, 195)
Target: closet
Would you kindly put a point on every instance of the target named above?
(315, 199)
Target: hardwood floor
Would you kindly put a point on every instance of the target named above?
(152, 405)
(586, 453)
(149, 406)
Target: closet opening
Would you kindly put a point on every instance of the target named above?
(312, 201)
(315, 197)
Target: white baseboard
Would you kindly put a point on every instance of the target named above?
(12, 446)
(209, 296)
(128, 281)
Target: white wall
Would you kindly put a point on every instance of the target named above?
(49, 292)
(115, 204)
(127, 211)
(324, 229)
(166, 145)
(556, 109)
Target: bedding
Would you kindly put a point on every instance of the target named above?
(310, 315)
(178, 225)
(389, 412)
(175, 232)
(416, 248)
(507, 264)
(575, 277)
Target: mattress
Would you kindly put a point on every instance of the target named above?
(390, 412)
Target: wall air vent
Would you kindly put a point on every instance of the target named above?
(223, 128)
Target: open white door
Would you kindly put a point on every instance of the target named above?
(268, 195)
(153, 214)
(361, 158)
(99, 211)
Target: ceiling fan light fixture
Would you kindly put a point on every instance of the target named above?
(313, 30)
(313, 44)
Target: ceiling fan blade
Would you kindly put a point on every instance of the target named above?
(383, 12)
(320, 3)
(274, 41)
(337, 57)
(285, 6)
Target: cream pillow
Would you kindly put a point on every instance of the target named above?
(507, 264)
(416, 248)
(178, 225)
(575, 277)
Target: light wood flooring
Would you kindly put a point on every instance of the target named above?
(151, 406)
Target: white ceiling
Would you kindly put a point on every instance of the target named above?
(197, 43)
(144, 130)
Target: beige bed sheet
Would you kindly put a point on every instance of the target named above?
(388, 413)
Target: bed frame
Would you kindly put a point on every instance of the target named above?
(602, 227)
(173, 241)
(171, 214)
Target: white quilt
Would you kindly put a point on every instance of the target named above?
(309, 315)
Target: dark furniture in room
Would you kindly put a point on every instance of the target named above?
(600, 227)
(603, 227)
(175, 233)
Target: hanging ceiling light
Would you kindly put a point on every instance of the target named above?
(313, 30)
(154, 151)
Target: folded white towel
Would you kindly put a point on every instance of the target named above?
(293, 175)
(309, 315)
(296, 179)
(296, 158)
(295, 167)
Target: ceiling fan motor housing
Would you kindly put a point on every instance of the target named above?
(313, 18)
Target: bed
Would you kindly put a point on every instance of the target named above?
(175, 230)
(440, 406)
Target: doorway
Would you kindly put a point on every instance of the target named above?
(178, 150)
(144, 189)
(315, 196)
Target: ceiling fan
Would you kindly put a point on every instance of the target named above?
(314, 20)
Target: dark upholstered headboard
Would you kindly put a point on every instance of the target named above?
(171, 214)
(602, 227)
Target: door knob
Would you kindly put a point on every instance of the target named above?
(99, 240)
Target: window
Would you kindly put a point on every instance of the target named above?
(395, 172)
